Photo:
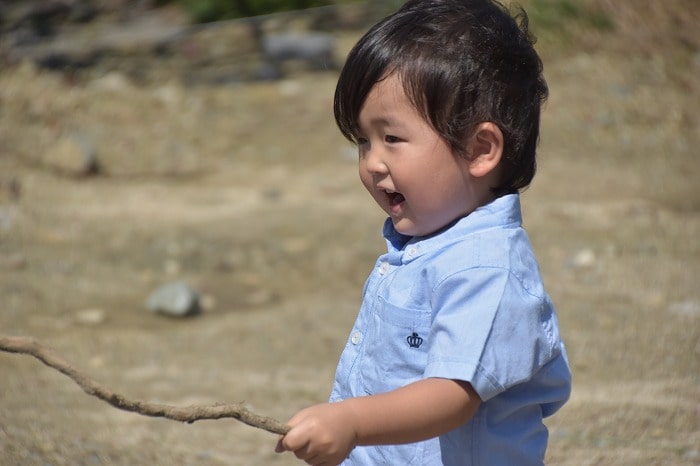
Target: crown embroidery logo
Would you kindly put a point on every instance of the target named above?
(414, 340)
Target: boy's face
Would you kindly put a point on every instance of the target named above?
(407, 167)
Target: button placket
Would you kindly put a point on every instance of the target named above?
(384, 268)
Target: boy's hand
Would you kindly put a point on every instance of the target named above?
(321, 435)
(325, 434)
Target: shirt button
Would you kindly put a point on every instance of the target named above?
(355, 338)
(411, 251)
(384, 268)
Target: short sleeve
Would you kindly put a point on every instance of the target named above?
(489, 330)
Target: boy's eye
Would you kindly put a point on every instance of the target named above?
(391, 139)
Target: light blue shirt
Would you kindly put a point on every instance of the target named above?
(466, 303)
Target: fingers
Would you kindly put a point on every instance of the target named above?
(303, 453)
(294, 441)
(310, 455)
(279, 448)
(297, 441)
(319, 435)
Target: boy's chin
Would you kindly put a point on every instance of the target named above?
(409, 228)
(406, 227)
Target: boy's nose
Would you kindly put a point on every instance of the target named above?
(374, 162)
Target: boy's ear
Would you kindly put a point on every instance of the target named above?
(486, 149)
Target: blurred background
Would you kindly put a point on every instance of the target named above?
(180, 219)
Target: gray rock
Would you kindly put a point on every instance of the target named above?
(314, 49)
(176, 299)
(74, 154)
(687, 308)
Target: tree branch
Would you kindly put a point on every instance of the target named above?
(189, 414)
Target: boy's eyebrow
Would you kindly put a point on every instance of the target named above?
(384, 121)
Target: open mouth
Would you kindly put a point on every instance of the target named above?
(395, 198)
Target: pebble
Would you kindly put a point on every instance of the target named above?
(583, 258)
(90, 316)
(687, 308)
(175, 299)
(73, 155)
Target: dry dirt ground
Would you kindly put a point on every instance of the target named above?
(250, 194)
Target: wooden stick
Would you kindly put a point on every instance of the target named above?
(189, 414)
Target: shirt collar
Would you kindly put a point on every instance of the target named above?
(501, 212)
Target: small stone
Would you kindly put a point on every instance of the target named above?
(687, 308)
(583, 258)
(90, 316)
(176, 299)
(112, 81)
(73, 155)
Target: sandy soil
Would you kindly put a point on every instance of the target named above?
(250, 194)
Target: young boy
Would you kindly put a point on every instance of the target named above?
(455, 357)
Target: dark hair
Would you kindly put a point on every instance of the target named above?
(461, 62)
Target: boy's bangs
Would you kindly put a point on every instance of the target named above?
(358, 79)
(355, 83)
(371, 60)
